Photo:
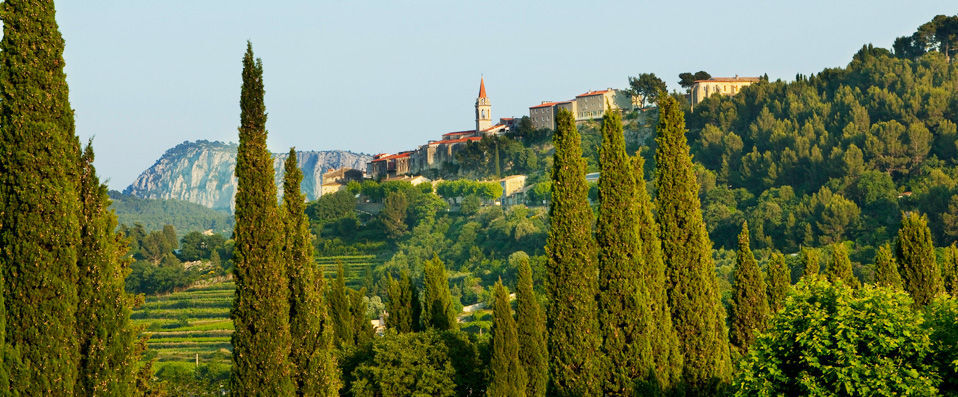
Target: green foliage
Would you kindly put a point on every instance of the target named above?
(183, 215)
(330, 207)
(941, 317)
(886, 269)
(507, 375)
(648, 86)
(623, 298)
(810, 262)
(915, 254)
(531, 332)
(393, 216)
(840, 268)
(260, 313)
(196, 246)
(572, 319)
(494, 157)
(949, 269)
(779, 282)
(404, 308)
(362, 328)
(437, 309)
(410, 364)
(666, 348)
(749, 313)
(310, 329)
(465, 188)
(867, 341)
(697, 314)
(339, 309)
(39, 203)
(687, 80)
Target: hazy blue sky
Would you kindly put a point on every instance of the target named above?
(386, 76)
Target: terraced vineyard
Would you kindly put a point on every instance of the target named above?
(191, 324)
(354, 265)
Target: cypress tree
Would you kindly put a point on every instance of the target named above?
(362, 329)
(339, 302)
(403, 305)
(666, 349)
(950, 269)
(315, 370)
(886, 269)
(572, 321)
(841, 267)
(810, 262)
(108, 342)
(39, 202)
(779, 282)
(437, 310)
(507, 375)
(623, 298)
(697, 313)
(915, 254)
(261, 339)
(531, 325)
(749, 311)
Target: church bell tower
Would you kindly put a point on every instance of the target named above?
(483, 109)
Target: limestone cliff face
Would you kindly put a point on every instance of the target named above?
(202, 172)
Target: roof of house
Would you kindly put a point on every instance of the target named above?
(482, 87)
(735, 79)
(544, 105)
(591, 93)
(394, 156)
(494, 127)
(459, 133)
(468, 138)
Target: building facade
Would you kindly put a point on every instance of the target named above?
(702, 89)
(587, 106)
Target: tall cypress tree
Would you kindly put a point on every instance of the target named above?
(749, 311)
(810, 262)
(623, 298)
(107, 339)
(531, 330)
(437, 309)
(403, 305)
(508, 378)
(779, 282)
(339, 302)
(915, 254)
(572, 321)
(886, 269)
(697, 313)
(261, 339)
(316, 372)
(841, 266)
(949, 269)
(39, 202)
(362, 329)
(666, 349)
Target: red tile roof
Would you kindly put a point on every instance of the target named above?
(459, 133)
(470, 138)
(735, 79)
(494, 127)
(393, 157)
(544, 105)
(482, 87)
(591, 93)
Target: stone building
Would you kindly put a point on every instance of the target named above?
(702, 89)
(587, 106)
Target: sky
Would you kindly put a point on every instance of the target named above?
(386, 76)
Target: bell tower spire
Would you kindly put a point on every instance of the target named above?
(483, 109)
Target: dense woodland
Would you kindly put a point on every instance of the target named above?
(645, 283)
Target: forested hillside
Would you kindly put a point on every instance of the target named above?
(153, 214)
(833, 156)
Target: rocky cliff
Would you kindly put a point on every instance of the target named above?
(201, 172)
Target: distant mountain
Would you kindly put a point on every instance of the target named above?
(184, 216)
(201, 172)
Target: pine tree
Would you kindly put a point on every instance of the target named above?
(437, 309)
(315, 369)
(572, 321)
(779, 282)
(886, 269)
(261, 339)
(810, 262)
(108, 341)
(697, 313)
(507, 376)
(841, 266)
(915, 254)
(531, 325)
(339, 303)
(666, 349)
(39, 203)
(623, 298)
(949, 269)
(749, 311)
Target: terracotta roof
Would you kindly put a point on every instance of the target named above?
(393, 157)
(482, 87)
(730, 80)
(470, 138)
(494, 127)
(544, 105)
(459, 133)
(591, 93)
